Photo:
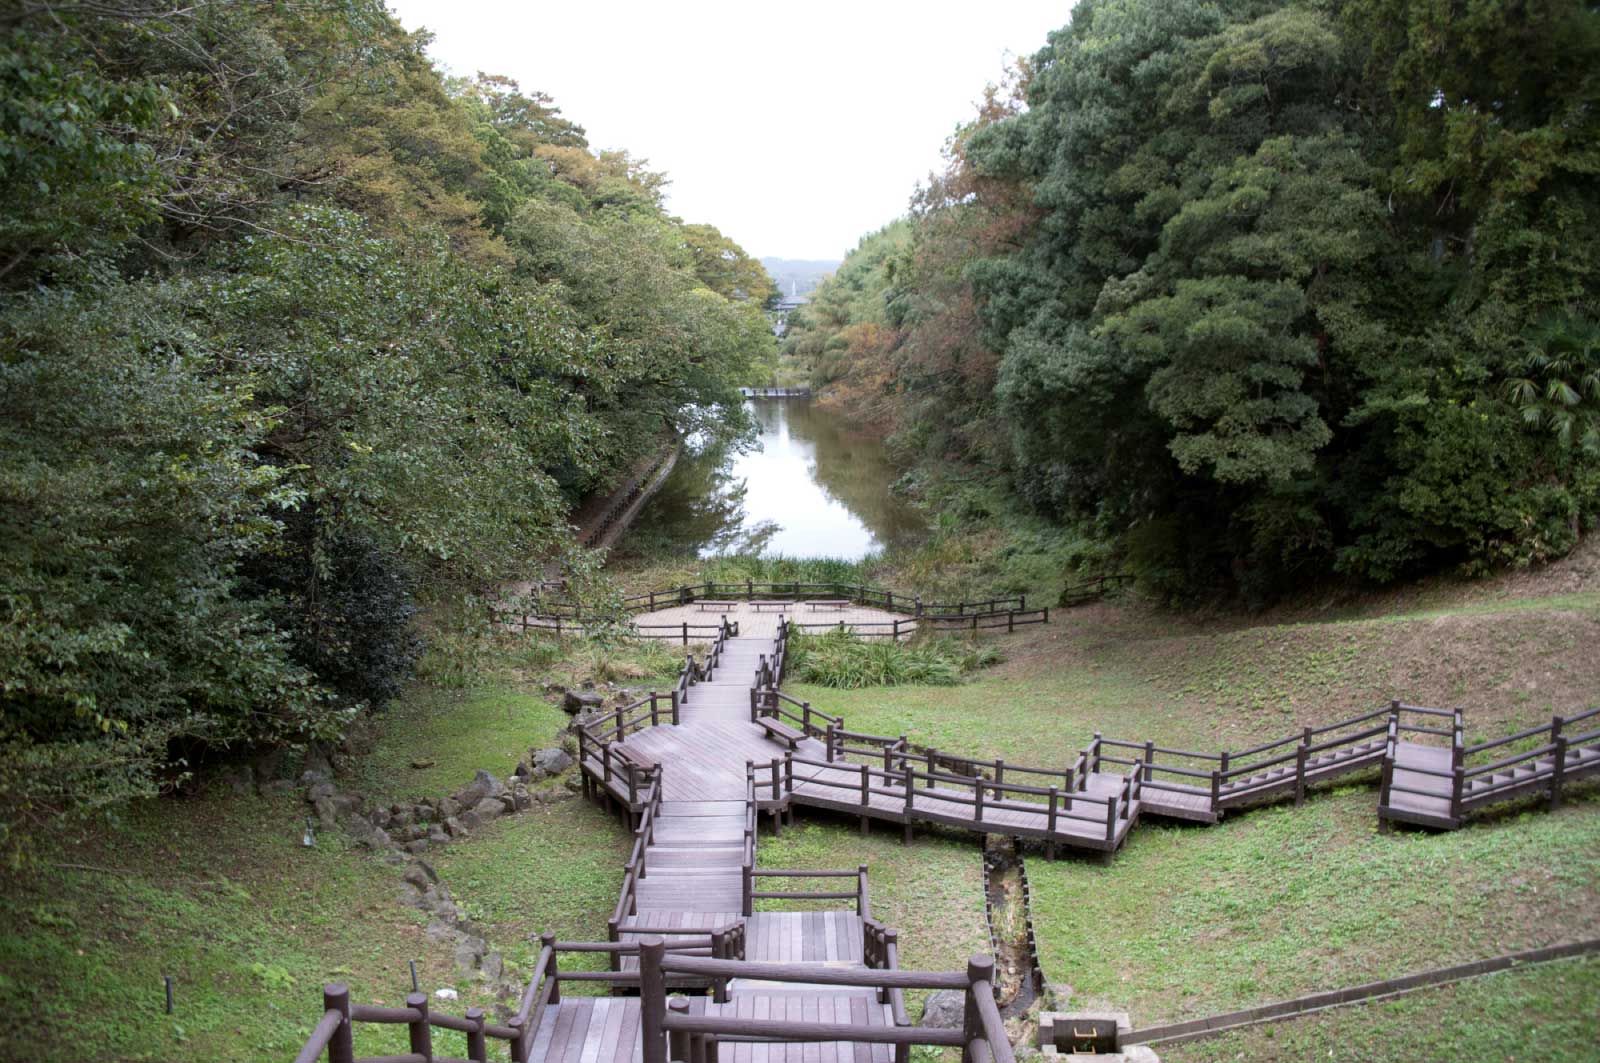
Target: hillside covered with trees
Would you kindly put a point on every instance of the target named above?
(1254, 293)
(298, 338)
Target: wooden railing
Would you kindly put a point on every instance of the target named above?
(334, 1034)
(1536, 759)
(848, 786)
(636, 869)
(669, 1031)
(858, 593)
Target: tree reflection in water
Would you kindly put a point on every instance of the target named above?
(808, 488)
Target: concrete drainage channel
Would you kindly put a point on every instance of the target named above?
(1019, 982)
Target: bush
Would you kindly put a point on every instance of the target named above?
(840, 659)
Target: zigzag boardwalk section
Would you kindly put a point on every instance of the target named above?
(690, 771)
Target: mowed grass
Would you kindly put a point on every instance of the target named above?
(1278, 902)
(1549, 1013)
(454, 734)
(554, 869)
(218, 893)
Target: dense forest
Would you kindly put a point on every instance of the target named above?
(1255, 293)
(298, 339)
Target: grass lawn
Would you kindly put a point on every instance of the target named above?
(218, 893)
(1549, 1013)
(1277, 902)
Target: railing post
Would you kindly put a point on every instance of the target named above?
(999, 772)
(676, 706)
(1149, 759)
(655, 718)
(678, 1040)
(788, 771)
(1299, 775)
(719, 950)
(477, 1043)
(341, 1046)
(552, 970)
(419, 1032)
(633, 786)
(1050, 821)
(977, 807)
(866, 798)
(754, 713)
(1559, 771)
(830, 739)
(980, 969)
(1094, 764)
(652, 999)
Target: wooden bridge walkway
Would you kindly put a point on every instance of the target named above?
(690, 771)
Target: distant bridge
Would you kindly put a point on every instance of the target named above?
(775, 393)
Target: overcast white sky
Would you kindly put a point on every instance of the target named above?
(794, 128)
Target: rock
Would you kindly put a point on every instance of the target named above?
(422, 762)
(318, 791)
(317, 768)
(277, 787)
(423, 813)
(449, 807)
(454, 827)
(418, 846)
(327, 815)
(470, 820)
(576, 701)
(420, 875)
(400, 817)
(469, 952)
(522, 771)
(437, 836)
(346, 803)
(482, 785)
(446, 993)
(241, 779)
(487, 809)
(945, 1010)
(574, 783)
(552, 761)
(493, 966)
(521, 799)
(377, 839)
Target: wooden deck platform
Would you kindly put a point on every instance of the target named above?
(606, 1029)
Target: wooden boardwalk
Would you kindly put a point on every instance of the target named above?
(691, 771)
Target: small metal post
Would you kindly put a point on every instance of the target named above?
(414, 986)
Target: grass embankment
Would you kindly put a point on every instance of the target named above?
(218, 891)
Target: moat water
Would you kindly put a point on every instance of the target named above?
(810, 486)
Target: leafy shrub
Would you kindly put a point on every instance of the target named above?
(840, 659)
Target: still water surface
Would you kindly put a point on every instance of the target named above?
(809, 488)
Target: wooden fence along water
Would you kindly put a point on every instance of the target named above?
(689, 771)
(992, 614)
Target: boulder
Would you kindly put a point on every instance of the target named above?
(318, 791)
(449, 807)
(945, 1010)
(327, 815)
(241, 779)
(418, 846)
(454, 827)
(487, 809)
(437, 836)
(482, 785)
(493, 966)
(377, 838)
(552, 761)
(420, 875)
(469, 953)
(577, 701)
